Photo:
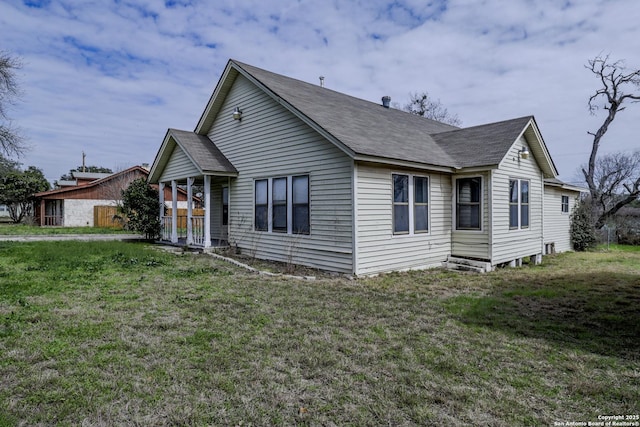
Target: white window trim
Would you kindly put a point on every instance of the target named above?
(411, 204)
(454, 219)
(568, 204)
(519, 186)
(289, 204)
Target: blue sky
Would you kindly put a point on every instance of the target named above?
(109, 77)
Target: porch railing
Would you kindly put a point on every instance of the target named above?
(197, 228)
(53, 220)
(166, 228)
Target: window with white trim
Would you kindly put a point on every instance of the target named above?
(300, 204)
(262, 205)
(564, 204)
(410, 204)
(518, 203)
(468, 212)
(279, 205)
(282, 205)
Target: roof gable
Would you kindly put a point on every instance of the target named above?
(484, 145)
(358, 127)
(206, 158)
(369, 131)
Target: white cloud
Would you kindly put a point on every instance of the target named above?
(110, 77)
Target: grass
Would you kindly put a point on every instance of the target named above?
(24, 230)
(113, 333)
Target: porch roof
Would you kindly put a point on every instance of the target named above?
(200, 150)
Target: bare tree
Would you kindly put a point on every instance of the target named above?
(11, 142)
(614, 180)
(421, 104)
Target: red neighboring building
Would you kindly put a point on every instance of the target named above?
(73, 204)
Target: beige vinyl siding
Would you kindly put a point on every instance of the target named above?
(472, 243)
(271, 142)
(509, 244)
(556, 222)
(178, 167)
(379, 250)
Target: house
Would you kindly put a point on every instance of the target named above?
(74, 202)
(299, 173)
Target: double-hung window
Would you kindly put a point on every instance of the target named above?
(262, 205)
(300, 204)
(564, 204)
(282, 205)
(468, 213)
(518, 203)
(279, 204)
(410, 204)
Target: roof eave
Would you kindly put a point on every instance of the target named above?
(217, 98)
(403, 163)
(162, 157)
(552, 171)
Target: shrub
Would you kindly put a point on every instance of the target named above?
(583, 233)
(141, 205)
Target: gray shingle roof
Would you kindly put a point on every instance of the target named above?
(364, 127)
(369, 129)
(482, 145)
(202, 151)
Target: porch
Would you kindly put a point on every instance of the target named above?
(194, 163)
(51, 213)
(188, 236)
(201, 221)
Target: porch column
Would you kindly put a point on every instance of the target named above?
(161, 200)
(174, 211)
(43, 212)
(207, 211)
(189, 211)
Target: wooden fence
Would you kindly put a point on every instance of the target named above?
(103, 216)
(182, 216)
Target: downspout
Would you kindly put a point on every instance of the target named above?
(490, 209)
(542, 214)
(354, 221)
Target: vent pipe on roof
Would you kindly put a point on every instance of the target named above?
(321, 81)
(386, 100)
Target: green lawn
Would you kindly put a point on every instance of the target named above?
(113, 333)
(23, 230)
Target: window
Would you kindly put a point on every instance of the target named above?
(279, 204)
(225, 205)
(468, 203)
(420, 204)
(286, 208)
(564, 204)
(518, 203)
(410, 204)
(400, 204)
(262, 205)
(300, 204)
